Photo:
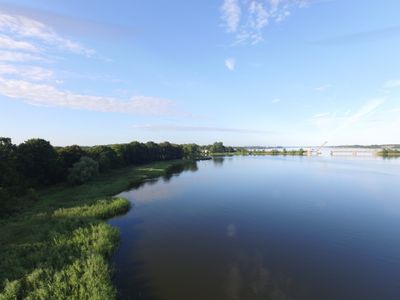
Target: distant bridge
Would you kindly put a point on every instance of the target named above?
(354, 152)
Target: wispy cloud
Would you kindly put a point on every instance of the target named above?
(361, 37)
(230, 63)
(247, 19)
(28, 72)
(172, 127)
(333, 123)
(390, 84)
(26, 41)
(23, 27)
(321, 115)
(230, 14)
(71, 26)
(7, 42)
(322, 88)
(48, 95)
(276, 100)
(13, 56)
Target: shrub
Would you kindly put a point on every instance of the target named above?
(32, 195)
(83, 171)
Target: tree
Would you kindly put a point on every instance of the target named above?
(10, 179)
(8, 164)
(191, 151)
(105, 156)
(38, 162)
(83, 171)
(68, 156)
(217, 147)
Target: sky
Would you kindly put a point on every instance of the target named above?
(244, 72)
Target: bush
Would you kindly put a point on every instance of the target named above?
(83, 171)
(32, 195)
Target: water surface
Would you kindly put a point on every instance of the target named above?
(264, 228)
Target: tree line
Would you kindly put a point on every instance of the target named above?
(35, 163)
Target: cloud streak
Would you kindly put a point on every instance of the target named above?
(360, 37)
(333, 123)
(391, 84)
(29, 72)
(25, 41)
(71, 26)
(171, 127)
(48, 95)
(322, 88)
(23, 27)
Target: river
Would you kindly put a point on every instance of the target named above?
(264, 228)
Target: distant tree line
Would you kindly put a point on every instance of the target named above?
(218, 147)
(389, 152)
(34, 164)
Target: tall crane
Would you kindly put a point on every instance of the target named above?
(320, 147)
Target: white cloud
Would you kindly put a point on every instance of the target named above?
(231, 12)
(172, 127)
(26, 27)
(322, 88)
(48, 95)
(247, 19)
(18, 56)
(230, 63)
(333, 123)
(320, 115)
(390, 84)
(28, 72)
(9, 43)
(276, 100)
(28, 42)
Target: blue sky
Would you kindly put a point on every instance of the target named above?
(265, 72)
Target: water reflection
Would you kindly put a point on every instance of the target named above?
(249, 278)
(274, 228)
(178, 168)
(151, 189)
(218, 161)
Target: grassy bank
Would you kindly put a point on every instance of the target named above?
(300, 152)
(60, 246)
(389, 153)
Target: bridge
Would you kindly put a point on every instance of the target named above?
(354, 152)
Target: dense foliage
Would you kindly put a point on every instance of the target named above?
(36, 163)
(59, 248)
(218, 147)
(83, 171)
(389, 152)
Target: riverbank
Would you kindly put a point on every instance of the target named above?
(283, 152)
(389, 153)
(60, 246)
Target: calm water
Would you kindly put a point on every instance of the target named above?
(264, 228)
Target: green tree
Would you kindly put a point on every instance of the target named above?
(105, 156)
(38, 162)
(8, 163)
(217, 147)
(191, 151)
(83, 171)
(70, 155)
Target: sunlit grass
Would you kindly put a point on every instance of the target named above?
(60, 247)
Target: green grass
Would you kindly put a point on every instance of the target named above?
(59, 247)
(389, 153)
